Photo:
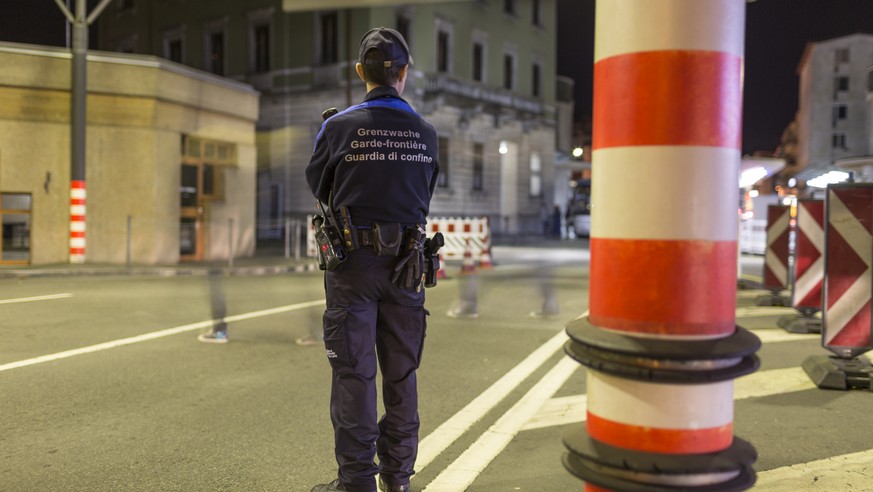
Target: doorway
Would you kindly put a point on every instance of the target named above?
(201, 183)
(15, 216)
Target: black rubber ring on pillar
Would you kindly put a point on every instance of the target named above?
(612, 468)
(639, 357)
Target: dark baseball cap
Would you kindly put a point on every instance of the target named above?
(390, 44)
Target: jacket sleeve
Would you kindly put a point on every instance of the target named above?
(319, 171)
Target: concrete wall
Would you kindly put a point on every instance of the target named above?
(138, 109)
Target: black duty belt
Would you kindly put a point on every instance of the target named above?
(365, 237)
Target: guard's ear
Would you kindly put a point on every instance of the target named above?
(360, 69)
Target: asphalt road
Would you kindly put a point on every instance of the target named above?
(104, 387)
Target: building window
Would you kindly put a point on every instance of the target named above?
(173, 50)
(126, 44)
(509, 6)
(870, 81)
(841, 113)
(535, 81)
(842, 55)
(508, 72)
(329, 38)
(838, 141)
(173, 47)
(404, 25)
(215, 52)
(536, 175)
(443, 178)
(478, 62)
(478, 166)
(124, 5)
(841, 84)
(537, 14)
(443, 46)
(15, 216)
(260, 37)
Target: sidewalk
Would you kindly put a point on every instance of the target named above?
(266, 261)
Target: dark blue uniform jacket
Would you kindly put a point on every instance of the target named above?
(380, 158)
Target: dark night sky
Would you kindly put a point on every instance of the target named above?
(776, 34)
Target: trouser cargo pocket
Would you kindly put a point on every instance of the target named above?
(336, 340)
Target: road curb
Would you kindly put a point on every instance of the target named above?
(158, 271)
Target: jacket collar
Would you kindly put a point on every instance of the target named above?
(382, 91)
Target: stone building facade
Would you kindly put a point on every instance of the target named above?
(483, 74)
(159, 136)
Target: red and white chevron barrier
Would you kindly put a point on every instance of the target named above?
(846, 302)
(776, 255)
(809, 261)
(848, 279)
(809, 255)
(667, 114)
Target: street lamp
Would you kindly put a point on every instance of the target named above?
(577, 152)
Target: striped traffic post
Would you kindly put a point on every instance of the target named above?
(776, 256)
(660, 343)
(806, 290)
(77, 221)
(848, 285)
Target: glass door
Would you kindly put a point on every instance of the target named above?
(191, 217)
(15, 215)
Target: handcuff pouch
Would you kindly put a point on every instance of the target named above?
(387, 239)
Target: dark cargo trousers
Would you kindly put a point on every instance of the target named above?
(369, 318)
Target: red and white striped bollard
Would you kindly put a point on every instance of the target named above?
(660, 344)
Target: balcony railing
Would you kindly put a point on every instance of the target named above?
(436, 83)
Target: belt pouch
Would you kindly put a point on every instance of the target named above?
(387, 239)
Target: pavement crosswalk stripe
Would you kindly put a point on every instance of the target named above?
(775, 335)
(155, 334)
(36, 298)
(572, 409)
(464, 470)
(852, 471)
(449, 431)
(751, 312)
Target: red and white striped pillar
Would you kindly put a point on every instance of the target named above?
(77, 221)
(660, 343)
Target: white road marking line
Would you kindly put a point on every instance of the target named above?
(559, 411)
(37, 298)
(753, 278)
(156, 334)
(775, 335)
(752, 312)
(748, 294)
(571, 409)
(449, 431)
(845, 472)
(464, 470)
(530, 413)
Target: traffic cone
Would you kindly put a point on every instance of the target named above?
(485, 259)
(441, 273)
(468, 267)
